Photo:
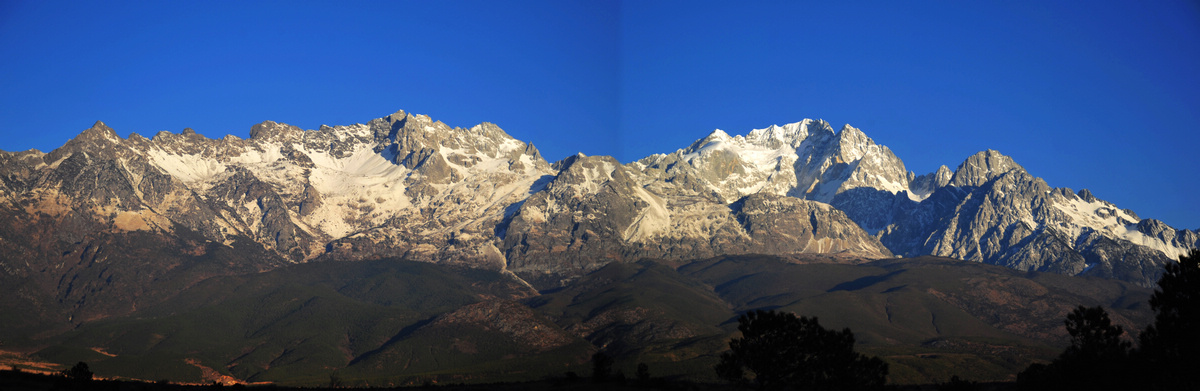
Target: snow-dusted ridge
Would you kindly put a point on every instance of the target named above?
(916, 214)
(805, 159)
(408, 186)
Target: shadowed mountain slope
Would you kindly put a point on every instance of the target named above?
(396, 322)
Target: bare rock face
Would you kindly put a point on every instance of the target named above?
(94, 228)
(988, 210)
(577, 222)
(430, 165)
(922, 186)
(778, 224)
(993, 211)
(597, 211)
(243, 194)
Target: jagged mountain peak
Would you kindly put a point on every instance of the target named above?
(489, 129)
(979, 211)
(807, 159)
(853, 136)
(790, 134)
(1086, 195)
(921, 186)
(854, 145)
(99, 140)
(99, 132)
(819, 125)
(268, 130)
(717, 136)
(588, 171)
(838, 162)
(983, 167)
(100, 125)
(943, 172)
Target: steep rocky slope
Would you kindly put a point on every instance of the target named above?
(992, 210)
(597, 211)
(988, 210)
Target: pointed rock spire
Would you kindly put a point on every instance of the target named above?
(983, 167)
(717, 135)
(99, 131)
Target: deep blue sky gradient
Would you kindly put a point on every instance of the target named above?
(1099, 95)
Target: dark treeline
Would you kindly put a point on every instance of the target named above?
(1167, 354)
(781, 351)
(786, 352)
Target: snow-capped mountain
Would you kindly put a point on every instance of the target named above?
(805, 160)
(268, 239)
(988, 210)
(103, 220)
(993, 211)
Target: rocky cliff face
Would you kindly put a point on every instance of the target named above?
(993, 211)
(597, 211)
(805, 160)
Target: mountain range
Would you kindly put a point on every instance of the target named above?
(105, 227)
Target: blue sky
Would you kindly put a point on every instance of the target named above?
(1098, 95)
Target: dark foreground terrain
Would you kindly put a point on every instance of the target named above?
(394, 323)
(25, 381)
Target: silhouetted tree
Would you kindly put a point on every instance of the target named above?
(643, 372)
(79, 372)
(958, 384)
(1097, 359)
(1093, 337)
(1168, 351)
(601, 366)
(1170, 348)
(782, 351)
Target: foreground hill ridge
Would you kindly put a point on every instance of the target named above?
(390, 322)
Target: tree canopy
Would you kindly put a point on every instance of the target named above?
(1170, 348)
(79, 372)
(1093, 337)
(1168, 351)
(1098, 358)
(780, 350)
